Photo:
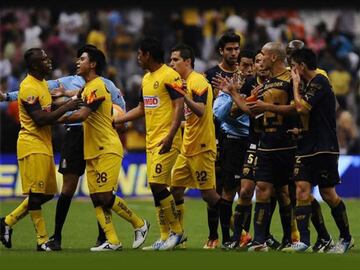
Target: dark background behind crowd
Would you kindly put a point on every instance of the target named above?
(333, 34)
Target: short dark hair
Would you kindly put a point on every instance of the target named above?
(29, 57)
(153, 47)
(186, 52)
(246, 54)
(228, 37)
(95, 55)
(305, 55)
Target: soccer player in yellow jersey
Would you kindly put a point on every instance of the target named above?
(195, 165)
(162, 103)
(103, 151)
(34, 148)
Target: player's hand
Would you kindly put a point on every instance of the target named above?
(58, 92)
(255, 91)
(73, 104)
(2, 96)
(295, 77)
(220, 82)
(166, 144)
(257, 107)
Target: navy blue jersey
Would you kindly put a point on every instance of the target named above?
(319, 124)
(277, 90)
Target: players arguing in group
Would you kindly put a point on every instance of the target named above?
(250, 116)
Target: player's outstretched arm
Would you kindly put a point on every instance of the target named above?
(43, 118)
(131, 115)
(75, 117)
(9, 96)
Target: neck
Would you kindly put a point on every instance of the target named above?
(90, 76)
(154, 66)
(186, 74)
(37, 75)
(309, 75)
(277, 69)
(224, 65)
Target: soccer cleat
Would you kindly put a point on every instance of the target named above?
(245, 239)
(5, 233)
(141, 234)
(47, 246)
(211, 244)
(297, 247)
(54, 244)
(321, 245)
(106, 246)
(155, 246)
(342, 246)
(257, 247)
(230, 245)
(284, 244)
(272, 243)
(172, 241)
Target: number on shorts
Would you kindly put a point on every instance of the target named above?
(201, 176)
(158, 168)
(101, 177)
(250, 159)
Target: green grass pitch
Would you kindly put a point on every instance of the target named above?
(80, 233)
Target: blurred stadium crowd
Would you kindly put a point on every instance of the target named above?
(332, 34)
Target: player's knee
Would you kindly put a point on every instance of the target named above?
(46, 198)
(302, 192)
(263, 192)
(35, 201)
(246, 194)
(177, 192)
(330, 196)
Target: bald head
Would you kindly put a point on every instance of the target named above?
(275, 48)
(292, 46)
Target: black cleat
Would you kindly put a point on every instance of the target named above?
(272, 243)
(322, 245)
(5, 233)
(45, 247)
(284, 244)
(230, 245)
(54, 244)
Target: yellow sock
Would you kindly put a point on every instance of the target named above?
(120, 207)
(295, 234)
(39, 224)
(163, 224)
(105, 219)
(170, 213)
(20, 212)
(181, 210)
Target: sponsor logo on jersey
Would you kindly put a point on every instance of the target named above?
(187, 111)
(151, 101)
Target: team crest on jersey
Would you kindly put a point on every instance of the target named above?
(31, 99)
(156, 84)
(187, 111)
(246, 171)
(151, 101)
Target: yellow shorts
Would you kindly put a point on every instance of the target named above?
(38, 175)
(195, 171)
(159, 166)
(103, 172)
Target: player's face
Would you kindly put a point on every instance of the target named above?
(258, 67)
(83, 65)
(266, 59)
(142, 59)
(177, 62)
(230, 53)
(43, 63)
(246, 66)
(298, 67)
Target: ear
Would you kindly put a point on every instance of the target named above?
(221, 51)
(93, 64)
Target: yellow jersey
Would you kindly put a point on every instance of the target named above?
(159, 88)
(199, 132)
(99, 135)
(33, 95)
